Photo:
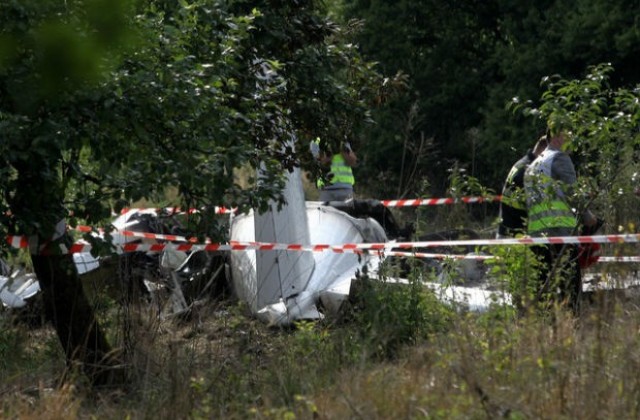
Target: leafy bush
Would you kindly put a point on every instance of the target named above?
(389, 314)
(515, 269)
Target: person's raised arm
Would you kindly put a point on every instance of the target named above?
(349, 156)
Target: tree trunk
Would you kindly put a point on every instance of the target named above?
(67, 307)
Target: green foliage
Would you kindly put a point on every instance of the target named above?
(442, 48)
(461, 184)
(172, 95)
(11, 341)
(466, 61)
(55, 58)
(552, 37)
(515, 269)
(481, 365)
(460, 215)
(24, 350)
(601, 122)
(103, 104)
(389, 316)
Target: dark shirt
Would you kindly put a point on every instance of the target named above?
(512, 220)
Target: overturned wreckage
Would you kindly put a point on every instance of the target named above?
(282, 286)
(17, 287)
(172, 280)
(279, 287)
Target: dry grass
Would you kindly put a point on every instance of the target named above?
(222, 363)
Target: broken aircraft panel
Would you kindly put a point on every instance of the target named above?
(322, 280)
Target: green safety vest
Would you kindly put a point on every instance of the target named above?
(342, 173)
(547, 204)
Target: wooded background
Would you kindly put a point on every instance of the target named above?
(465, 61)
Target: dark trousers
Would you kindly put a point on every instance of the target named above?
(560, 277)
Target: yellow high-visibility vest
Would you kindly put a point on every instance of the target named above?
(342, 173)
(546, 202)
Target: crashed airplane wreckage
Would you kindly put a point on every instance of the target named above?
(284, 286)
(279, 287)
(180, 277)
(17, 287)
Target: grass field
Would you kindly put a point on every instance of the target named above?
(389, 359)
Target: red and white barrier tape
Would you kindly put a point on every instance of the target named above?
(387, 203)
(232, 246)
(20, 242)
(434, 256)
(145, 235)
(175, 210)
(438, 201)
(490, 257)
(619, 259)
(626, 238)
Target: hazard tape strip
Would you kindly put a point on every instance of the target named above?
(438, 201)
(178, 210)
(626, 238)
(145, 235)
(18, 241)
(22, 241)
(354, 247)
(413, 202)
(433, 256)
(619, 259)
(232, 246)
(488, 257)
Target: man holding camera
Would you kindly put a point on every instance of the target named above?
(337, 184)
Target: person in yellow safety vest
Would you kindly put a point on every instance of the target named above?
(548, 184)
(337, 184)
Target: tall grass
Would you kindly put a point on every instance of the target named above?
(398, 351)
